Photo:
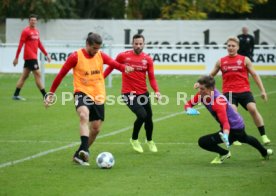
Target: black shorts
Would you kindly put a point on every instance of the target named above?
(240, 98)
(31, 64)
(137, 103)
(235, 135)
(96, 111)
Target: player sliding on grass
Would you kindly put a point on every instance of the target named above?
(89, 88)
(231, 123)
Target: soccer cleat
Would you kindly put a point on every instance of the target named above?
(220, 158)
(83, 155)
(237, 143)
(18, 98)
(265, 139)
(152, 146)
(136, 145)
(269, 153)
(79, 161)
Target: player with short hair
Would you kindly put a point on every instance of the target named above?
(232, 126)
(135, 92)
(30, 37)
(89, 88)
(235, 69)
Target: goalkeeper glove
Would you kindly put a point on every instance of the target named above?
(192, 111)
(224, 137)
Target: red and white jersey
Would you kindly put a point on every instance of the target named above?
(30, 37)
(234, 74)
(135, 82)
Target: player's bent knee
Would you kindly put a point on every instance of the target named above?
(202, 142)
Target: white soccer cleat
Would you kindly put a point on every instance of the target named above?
(18, 98)
(269, 153)
(80, 162)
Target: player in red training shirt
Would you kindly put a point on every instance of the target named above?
(89, 90)
(235, 83)
(30, 38)
(134, 90)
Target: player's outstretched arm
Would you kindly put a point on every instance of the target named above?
(216, 69)
(256, 78)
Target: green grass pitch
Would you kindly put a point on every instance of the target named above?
(37, 147)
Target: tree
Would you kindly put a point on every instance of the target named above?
(101, 9)
(45, 9)
(199, 9)
(144, 9)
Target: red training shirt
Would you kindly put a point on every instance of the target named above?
(30, 37)
(234, 74)
(135, 82)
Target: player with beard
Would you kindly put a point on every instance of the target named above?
(134, 90)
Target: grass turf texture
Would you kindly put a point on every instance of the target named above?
(180, 167)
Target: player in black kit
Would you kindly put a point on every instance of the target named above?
(246, 44)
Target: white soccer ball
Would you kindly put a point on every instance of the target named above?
(105, 160)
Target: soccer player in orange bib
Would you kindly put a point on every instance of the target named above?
(89, 90)
(235, 83)
(135, 92)
(31, 39)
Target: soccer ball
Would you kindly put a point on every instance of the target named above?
(105, 160)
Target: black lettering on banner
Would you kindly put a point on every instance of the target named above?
(173, 57)
(62, 56)
(127, 36)
(57, 56)
(178, 57)
(200, 58)
(182, 57)
(166, 57)
(192, 58)
(270, 58)
(53, 56)
(156, 57)
(264, 58)
(260, 58)
(187, 44)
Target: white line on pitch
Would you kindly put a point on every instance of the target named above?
(77, 143)
(101, 136)
(159, 143)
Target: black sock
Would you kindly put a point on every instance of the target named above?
(43, 92)
(262, 130)
(17, 91)
(84, 143)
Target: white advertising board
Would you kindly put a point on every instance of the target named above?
(172, 60)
